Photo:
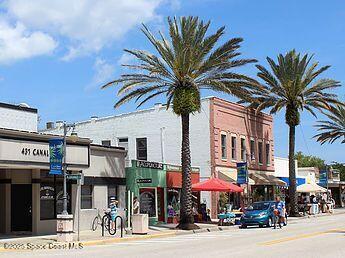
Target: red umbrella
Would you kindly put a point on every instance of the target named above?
(216, 185)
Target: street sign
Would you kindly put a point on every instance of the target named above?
(323, 179)
(79, 177)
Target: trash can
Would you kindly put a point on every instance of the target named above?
(140, 224)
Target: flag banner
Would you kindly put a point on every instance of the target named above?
(242, 172)
(56, 156)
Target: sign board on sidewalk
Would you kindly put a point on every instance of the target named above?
(242, 172)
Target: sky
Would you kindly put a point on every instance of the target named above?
(55, 55)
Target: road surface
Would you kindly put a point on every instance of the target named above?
(313, 237)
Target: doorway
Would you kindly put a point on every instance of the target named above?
(21, 207)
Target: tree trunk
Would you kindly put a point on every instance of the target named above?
(186, 212)
(292, 172)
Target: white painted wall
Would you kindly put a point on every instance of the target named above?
(18, 119)
(152, 124)
(281, 167)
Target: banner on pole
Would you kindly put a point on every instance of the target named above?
(56, 156)
(323, 179)
(242, 172)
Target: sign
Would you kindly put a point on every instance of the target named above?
(148, 164)
(144, 180)
(323, 179)
(56, 156)
(148, 202)
(242, 172)
(30, 152)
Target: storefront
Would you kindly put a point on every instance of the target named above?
(158, 188)
(30, 198)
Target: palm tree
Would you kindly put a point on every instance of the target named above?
(334, 129)
(292, 85)
(187, 63)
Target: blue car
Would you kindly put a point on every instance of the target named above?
(259, 213)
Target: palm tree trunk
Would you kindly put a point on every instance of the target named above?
(186, 212)
(292, 172)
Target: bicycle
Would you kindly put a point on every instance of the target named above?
(98, 221)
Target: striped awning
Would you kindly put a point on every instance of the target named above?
(266, 179)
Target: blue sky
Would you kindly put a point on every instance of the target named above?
(55, 54)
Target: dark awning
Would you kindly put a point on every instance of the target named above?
(266, 179)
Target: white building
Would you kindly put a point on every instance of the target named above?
(18, 117)
(30, 198)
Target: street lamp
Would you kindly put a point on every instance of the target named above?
(74, 138)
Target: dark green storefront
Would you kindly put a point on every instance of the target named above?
(147, 181)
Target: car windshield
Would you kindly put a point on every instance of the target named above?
(259, 206)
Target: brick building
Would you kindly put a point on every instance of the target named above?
(222, 134)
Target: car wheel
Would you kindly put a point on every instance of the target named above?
(261, 226)
(269, 222)
(243, 226)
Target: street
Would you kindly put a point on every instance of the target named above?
(313, 237)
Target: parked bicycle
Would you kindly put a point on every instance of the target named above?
(98, 220)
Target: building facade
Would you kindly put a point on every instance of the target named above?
(222, 134)
(30, 198)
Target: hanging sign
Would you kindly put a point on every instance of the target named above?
(242, 172)
(323, 180)
(56, 155)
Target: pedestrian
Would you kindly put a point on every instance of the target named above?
(279, 212)
(136, 205)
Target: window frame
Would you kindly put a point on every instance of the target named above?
(243, 151)
(88, 196)
(260, 152)
(141, 149)
(268, 153)
(224, 157)
(106, 143)
(252, 148)
(234, 147)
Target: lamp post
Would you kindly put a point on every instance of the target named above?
(74, 138)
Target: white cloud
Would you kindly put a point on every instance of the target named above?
(104, 72)
(86, 26)
(125, 59)
(16, 42)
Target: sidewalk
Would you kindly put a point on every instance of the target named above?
(89, 238)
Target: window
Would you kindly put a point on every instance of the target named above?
(223, 145)
(267, 152)
(243, 149)
(51, 193)
(106, 143)
(86, 196)
(142, 148)
(260, 152)
(233, 147)
(112, 192)
(252, 149)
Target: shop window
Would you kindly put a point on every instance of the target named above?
(51, 196)
(267, 152)
(86, 196)
(260, 152)
(142, 148)
(106, 143)
(233, 147)
(112, 192)
(223, 145)
(243, 149)
(252, 149)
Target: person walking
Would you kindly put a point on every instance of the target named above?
(279, 212)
